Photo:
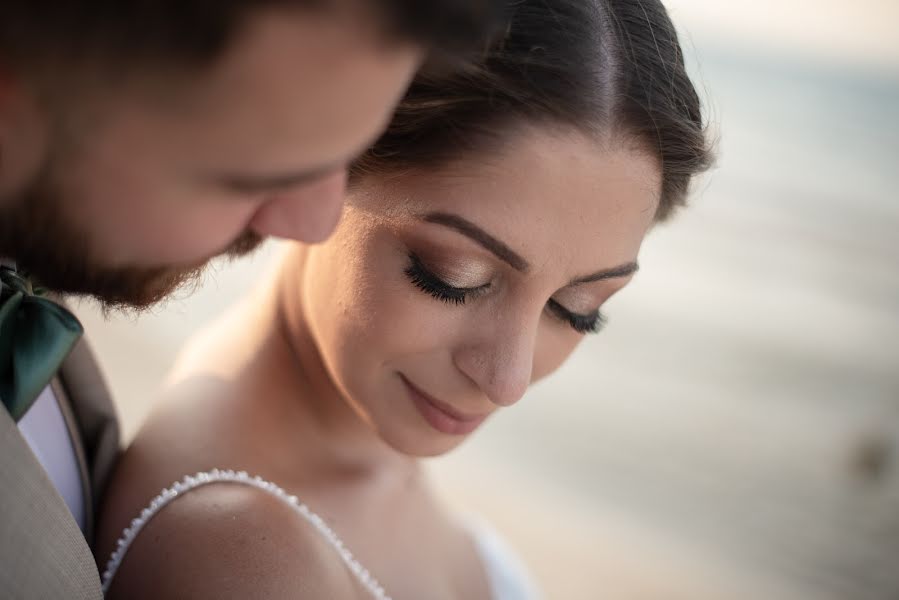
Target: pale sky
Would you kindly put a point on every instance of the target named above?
(847, 31)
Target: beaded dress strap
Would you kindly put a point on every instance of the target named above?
(191, 482)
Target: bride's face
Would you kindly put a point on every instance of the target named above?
(441, 297)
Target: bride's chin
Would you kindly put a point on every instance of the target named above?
(420, 443)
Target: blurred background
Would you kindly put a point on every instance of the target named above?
(734, 432)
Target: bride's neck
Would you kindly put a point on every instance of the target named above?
(326, 415)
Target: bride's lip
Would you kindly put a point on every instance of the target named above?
(440, 416)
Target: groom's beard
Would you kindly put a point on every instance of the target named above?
(57, 255)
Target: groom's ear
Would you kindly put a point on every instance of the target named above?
(8, 85)
(23, 132)
(12, 84)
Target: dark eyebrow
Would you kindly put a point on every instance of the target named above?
(470, 230)
(624, 270)
(277, 181)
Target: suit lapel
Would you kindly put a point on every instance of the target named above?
(94, 414)
(42, 551)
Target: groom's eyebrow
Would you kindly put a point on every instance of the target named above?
(475, 233)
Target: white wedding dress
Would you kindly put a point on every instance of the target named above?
(508, 579)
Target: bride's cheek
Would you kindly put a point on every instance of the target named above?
(551, 351)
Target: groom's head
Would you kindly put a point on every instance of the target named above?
(140, 138)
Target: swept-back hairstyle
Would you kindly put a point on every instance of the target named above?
(610, 68)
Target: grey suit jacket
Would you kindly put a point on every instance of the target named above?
(43, 553)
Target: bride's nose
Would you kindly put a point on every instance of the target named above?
(500, 359)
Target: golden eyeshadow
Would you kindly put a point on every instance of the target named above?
(455, 270)
(578, 299)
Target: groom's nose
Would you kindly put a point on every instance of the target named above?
(307, 213)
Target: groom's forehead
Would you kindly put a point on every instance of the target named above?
(145, 32)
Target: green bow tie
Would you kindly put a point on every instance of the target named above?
(36, 335)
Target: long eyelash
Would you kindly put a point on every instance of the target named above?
(432, 285)
(425, 280)
(592, 323)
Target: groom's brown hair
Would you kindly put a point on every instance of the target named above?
(124, 34)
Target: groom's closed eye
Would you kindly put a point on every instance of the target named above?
(276, 182)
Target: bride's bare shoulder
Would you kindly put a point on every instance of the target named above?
(227, 540)
(199, 422)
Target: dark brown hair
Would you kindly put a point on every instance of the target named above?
(124, 34)
(602, 67)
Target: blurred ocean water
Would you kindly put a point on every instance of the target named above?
(739, 418)
(745, 396)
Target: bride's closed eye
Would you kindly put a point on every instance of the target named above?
(590, 323)
(432, 284)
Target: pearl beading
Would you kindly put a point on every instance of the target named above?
(191, 482)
